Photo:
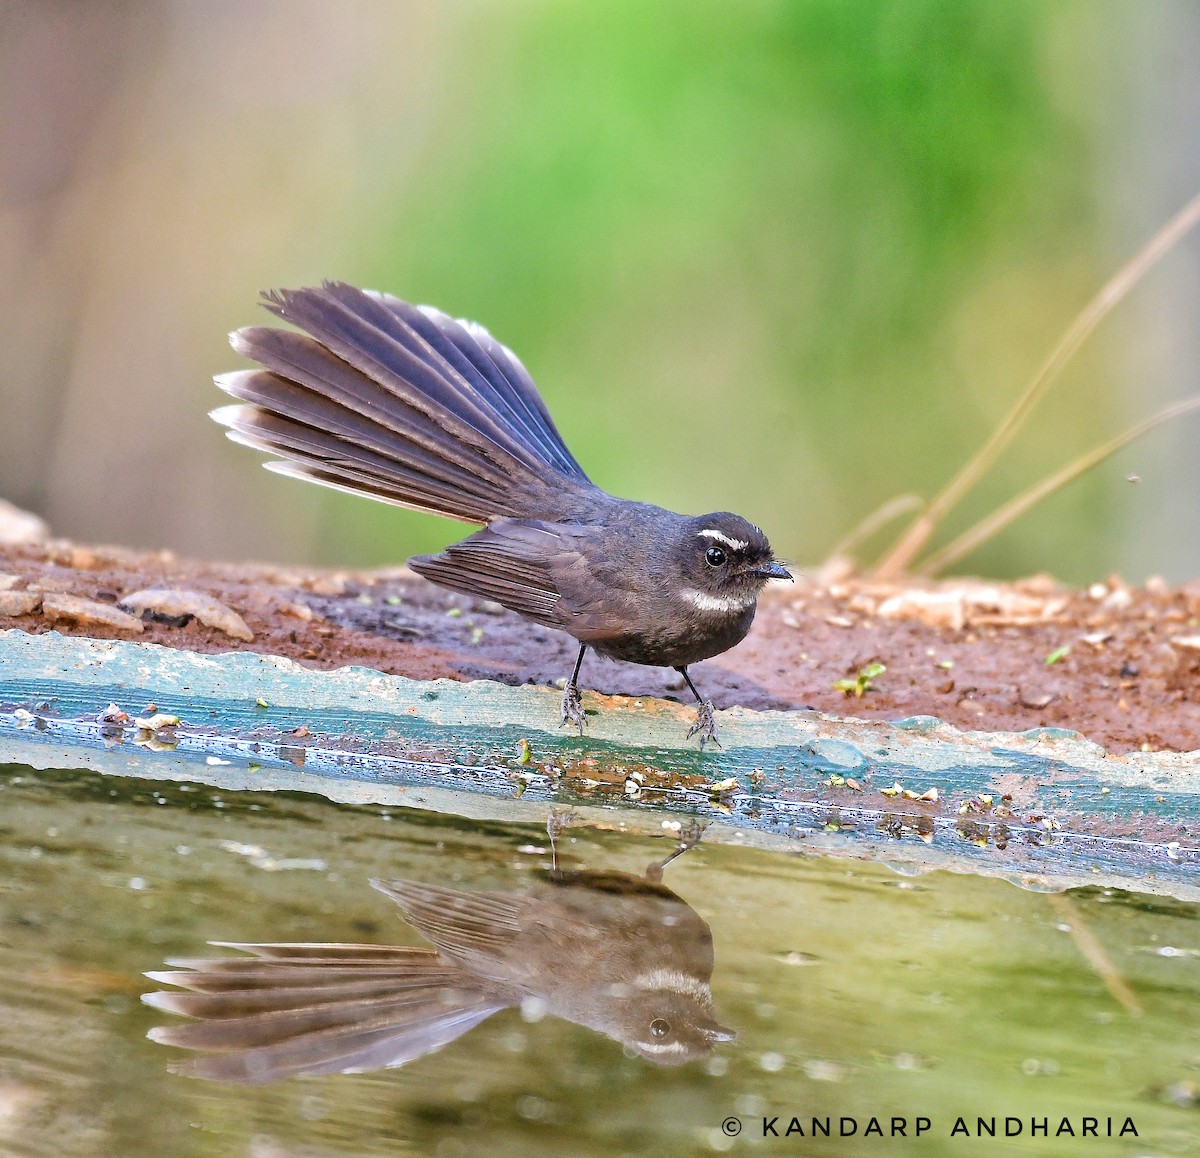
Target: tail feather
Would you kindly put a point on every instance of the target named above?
(490, 369)
(317, 1009)
(400, 403)
(263, 999)
(498, 372)
(312, 386)
(318, 455)
(375, 343)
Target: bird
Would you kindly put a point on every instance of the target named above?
(617, 953)
(404, 404)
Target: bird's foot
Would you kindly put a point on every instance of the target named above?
(691, 833)
(572, 708)
(689, 837)
(705, 726)
(559, 820)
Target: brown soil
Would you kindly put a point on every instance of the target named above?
(970, 653)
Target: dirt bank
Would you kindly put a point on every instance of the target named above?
(974, 654)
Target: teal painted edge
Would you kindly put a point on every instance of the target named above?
(1083, 814)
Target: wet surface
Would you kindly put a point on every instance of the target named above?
(854, 991)
(1125, 667)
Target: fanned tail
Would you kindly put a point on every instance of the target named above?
(399, 403)
(287, 1010)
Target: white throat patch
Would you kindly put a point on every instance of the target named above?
(721, 537)
(727, 603)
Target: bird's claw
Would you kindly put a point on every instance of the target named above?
(705, 726)
(558, 820)
(691, 833)
(572, 708)
(689, 837)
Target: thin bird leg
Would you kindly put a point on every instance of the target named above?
(572, 704)
(706, 722)
(689, 837)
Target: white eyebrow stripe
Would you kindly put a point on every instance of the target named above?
(706, 602)
(675, 981)
(721, 537)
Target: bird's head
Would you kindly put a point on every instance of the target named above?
(726, 561)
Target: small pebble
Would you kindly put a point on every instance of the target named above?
(88, 613)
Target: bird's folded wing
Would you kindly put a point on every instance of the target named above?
(459, 923)
(538, 569)
(512, 561)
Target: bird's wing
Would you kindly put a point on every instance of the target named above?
(510, 561)
(459, 923)
(540, 570)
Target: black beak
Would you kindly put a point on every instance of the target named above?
(773, 570)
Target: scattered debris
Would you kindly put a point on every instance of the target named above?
(155, 741)
(18, 526)
(176, 602)
(960, 605)
(334, 584)
(19, 602)
(929, 796)
(157, 722)
(88, 613)
(112, 715)
(935, 608)
(1042, 701)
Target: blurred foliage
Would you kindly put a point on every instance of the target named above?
(734, 245)
(790, 259)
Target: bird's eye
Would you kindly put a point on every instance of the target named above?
(714, 557)
(659, 1028)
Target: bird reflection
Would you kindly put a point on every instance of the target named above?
(619, 954)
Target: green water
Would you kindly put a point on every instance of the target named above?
(855, 992)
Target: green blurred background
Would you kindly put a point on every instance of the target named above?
(789, 259)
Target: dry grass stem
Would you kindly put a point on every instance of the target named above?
(1095, 954)
(992, 524)
(913, 540)
(875, 521)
